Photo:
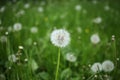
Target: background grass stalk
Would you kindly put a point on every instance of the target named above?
(58, 64)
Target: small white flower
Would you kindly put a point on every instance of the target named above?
(27, 5)
(97, 20)
(95, 39)
(12, 58)
(70, 57)
(20, 47)
(108, 66)
(17, 27)
(40, 9)
(78, 7)
(96, 67)
(60, 38)
(106, 8)
(34, 30)
(3, 39)
(2, 9)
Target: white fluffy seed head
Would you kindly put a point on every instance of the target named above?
(60, 38)
(107, 66)
(95, 39)
(70, 57)
(97, 20)
(96, 67)
(17, 26)
(12, 58)
(78, 7)
(34, 30)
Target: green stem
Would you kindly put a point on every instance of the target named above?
(58, 63)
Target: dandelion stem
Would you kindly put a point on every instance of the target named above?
(58, 63)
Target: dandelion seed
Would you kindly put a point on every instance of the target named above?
(97, 20)
(40, 9)
(3, 39)
(70, 57)
(96, 67)
(60, 38)
(34, 30)
(95, 39)
(78, 7)
(34, 43)
(17, 26)
(12, 58)
(107, 66)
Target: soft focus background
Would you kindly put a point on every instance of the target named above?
(26, 52)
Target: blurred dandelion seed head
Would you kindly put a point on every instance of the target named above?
(3, 39)
(60, 38)
(97, 20)
(70, 57)
(78, 7)
(96, 67)
(107, 66)
(95, 39)
(34, 30)
(17, 27)
(12, 58)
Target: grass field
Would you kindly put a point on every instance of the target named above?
(27, 53)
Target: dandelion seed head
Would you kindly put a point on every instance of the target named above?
(107, 66)
(97, 20)
(3, 39)
(96, 67)
(34, 30)
(40, 9)
(70, 57)
(12, 58)
(27, 5)
(95, 39)
(17, 27)
(78, 7)
(60, 38)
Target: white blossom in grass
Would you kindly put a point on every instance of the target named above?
(34, 65)
(2, 9)
(20, 47)
(78, 7)
(17, 27)
(27, 5)
(107, 66)
(60, 38)
(97, 20)
(34, 30)
(70, 57)
(95, 39)
(96, 67)
(2, 77)
(106, 8)
(40, 9)
(3, 39)
(12, 58)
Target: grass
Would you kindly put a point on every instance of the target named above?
(38, 49)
